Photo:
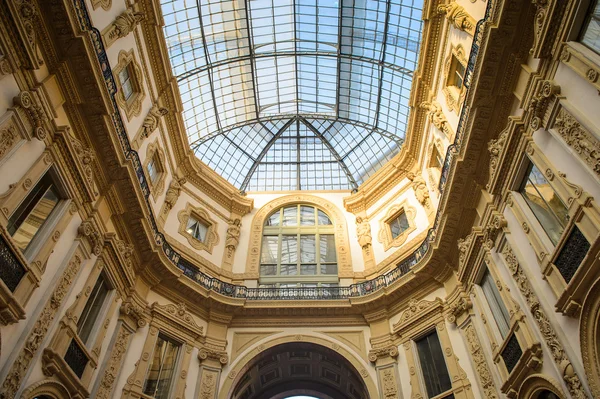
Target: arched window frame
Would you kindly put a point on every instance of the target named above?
(344, 259)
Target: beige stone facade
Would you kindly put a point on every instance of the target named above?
(106, 267)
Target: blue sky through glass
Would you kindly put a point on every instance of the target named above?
(247, 68)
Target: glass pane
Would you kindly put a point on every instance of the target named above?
(496, 304)
(39, 210)
(273, 220)
(289, 249)
(308, 250)
(92, 308)
(323, 218)
(327, 248)
(127, 88)
(308, 269)
(399, 225)
(433, 366)
(152, 172)
(307, 216)
(269, 249)
(268, 270)
(290, 216)
(591, 32)
(545, 204)
(328, 268)
(160, 372)
(289, 270)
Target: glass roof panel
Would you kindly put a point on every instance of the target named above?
(294, 94)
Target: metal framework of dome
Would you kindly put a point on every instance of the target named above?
(294, 94)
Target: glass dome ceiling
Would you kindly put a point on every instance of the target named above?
(294, 94)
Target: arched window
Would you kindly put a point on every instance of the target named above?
(298, 248)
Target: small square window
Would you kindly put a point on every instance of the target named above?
(399, 224)
(197, 229)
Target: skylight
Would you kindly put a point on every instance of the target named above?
(294, 94)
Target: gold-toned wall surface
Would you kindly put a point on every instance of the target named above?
(497, 180)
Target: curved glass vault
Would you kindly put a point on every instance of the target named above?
(294, 94)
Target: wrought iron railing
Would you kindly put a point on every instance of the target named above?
(511, 353)
(572, 253)
(76, 358)
(11, 268)
(238, 291)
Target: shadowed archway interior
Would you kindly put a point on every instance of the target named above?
(299, 369)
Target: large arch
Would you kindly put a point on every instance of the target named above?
(247, 361)
(49, 388)
(339, 221)
(589, 335)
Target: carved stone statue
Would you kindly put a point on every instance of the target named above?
(151, 120)
(125, 23)
(436, 115)
(421, 190)
(457, 16)
(173, 193)
(233, 235)
(363, 230)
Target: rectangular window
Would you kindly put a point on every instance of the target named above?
(152, 171)
(31, 215)
(494, 300)
(126, 83)
(399, 225)
(91, 311)
(457, 73)
(545, 204)
(160, 374)
(590, 35)
(433, 365)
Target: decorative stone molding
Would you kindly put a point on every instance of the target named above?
(436, 116)
(105, 4)
(132, 106)
(13, 133)
(589, 329)
(454, 96)
(95, 240)
(29, 104)
(579, 139)
(574, 55)
(543, 95)
(113, 367)
(481, 367)
(232, 241)
(458, 17)
(545, 327)
(338, 219)
(19, 368)
(168, 315)
(26, 17)
(388, 351)
(416, 313)
(385, 234)
(420, 188)
(122, 26)
(212, 238)
(133, 310)
(150, 124)
(547, 22)
(154, 152)
(51, 388)
(208, 352)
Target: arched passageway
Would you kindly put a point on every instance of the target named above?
(299, 368)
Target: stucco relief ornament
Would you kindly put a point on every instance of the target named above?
(436, 115)
(420, 188)
(457, 16)
(579, 139)
(151, 120)
(173, 194)
(125, 23)
(363, 231)
(233, 235)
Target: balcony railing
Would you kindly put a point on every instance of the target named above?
(238, 291)
(572, 254)
(76, 358)
(11, 268)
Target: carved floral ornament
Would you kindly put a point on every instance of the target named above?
(200, 214)
(179, 315)
(416, 311)
(454, 97)
(133, 105)
(385, 233)
(338, 219)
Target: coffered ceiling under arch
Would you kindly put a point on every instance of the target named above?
(294, 94)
